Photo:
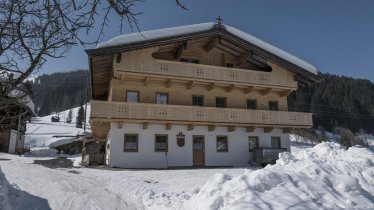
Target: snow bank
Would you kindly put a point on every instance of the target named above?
(325, 176)
(42, 152)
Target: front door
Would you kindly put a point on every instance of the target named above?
(198, 151)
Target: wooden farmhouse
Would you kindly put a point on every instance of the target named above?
(196, 95)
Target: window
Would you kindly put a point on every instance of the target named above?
(275, 142)
(221, 102)
(162, 98)
(196, 61)
(119, 56)
(131, 143)
(253, 143)
(190, 60)
(222, 145)
(184, 60)
(161, 143)
(229, 65)
(197, 101)
(273, 105)
(251, 104)
(198, 142)
(132, 96)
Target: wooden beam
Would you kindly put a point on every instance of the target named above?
(110, 95)
(211, 44)
(168, 83)
(163, 55)
(287, 130)
(247, 90)
(145, 125)
(180, 50)
(231, 128)
(268, 129)
(302, 80)
(190, 84)
(168, 126)
(211, 128)
(230, 88)
(265, 91)
(243, 58)
(223, 59)
(250, 129)
(190, 127)
(284, 93)
(223, 49)
(210, 86)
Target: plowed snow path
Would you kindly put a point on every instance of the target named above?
(87, 188)
(63, 188)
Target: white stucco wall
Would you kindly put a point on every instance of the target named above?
(238, 149)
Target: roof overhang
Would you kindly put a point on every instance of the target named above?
(302, 75)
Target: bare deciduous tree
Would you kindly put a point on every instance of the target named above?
(31, 31)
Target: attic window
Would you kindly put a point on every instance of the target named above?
(190, 60)
(229, 65)
(119, 56)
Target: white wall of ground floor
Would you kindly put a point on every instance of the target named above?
(146, 157)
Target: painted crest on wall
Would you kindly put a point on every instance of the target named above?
(180, 141)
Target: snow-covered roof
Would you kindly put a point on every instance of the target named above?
(188, 29)
(155, 34)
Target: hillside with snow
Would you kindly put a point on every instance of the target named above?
(40, 131)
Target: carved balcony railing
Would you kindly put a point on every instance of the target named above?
(191, 114)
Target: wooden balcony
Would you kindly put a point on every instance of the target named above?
(104, 111)
(207, 73)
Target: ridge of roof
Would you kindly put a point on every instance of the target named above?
(138, 37)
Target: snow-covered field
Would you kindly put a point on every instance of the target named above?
(323, 177)
(40, 132)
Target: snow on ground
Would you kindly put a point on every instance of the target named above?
(369, 138)
(299, 143)
(99, 188)
(323, 177)
(40, 132)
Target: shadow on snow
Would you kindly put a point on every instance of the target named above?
(13, 198)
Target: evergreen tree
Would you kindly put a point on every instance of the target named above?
(59, 91)
(79, 121)
(70, 116)
(337, 101)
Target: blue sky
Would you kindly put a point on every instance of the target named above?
(335, 36)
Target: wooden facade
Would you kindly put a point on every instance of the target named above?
(239, 85)
(140, 71)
